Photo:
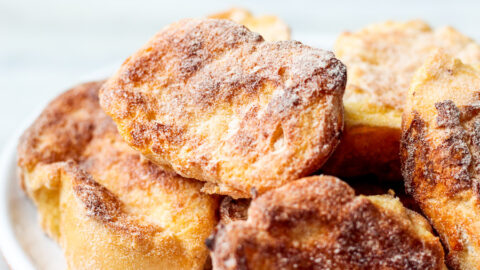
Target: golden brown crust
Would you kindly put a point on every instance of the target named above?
(45, 142)
(441, 153)
(318, 223)
(270, 27)
(106, 205)
(213, 101)
(381, 60)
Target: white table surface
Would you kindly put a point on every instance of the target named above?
(47, 46)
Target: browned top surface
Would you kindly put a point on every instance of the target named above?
(318, 223)
(382, 58)
(440, 153)
(74, 128)
(213, 101)
(73, 140)
(59, 134)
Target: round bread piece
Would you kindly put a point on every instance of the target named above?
(215, 102)
(319, 223)
(441, 153)
(106, 205)
(381, 60)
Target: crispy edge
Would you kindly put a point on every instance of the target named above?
(436, 158)
(332, 78)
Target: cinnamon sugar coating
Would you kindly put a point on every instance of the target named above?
(318, 223)
(381, 59)
(213, 101)
(106, 205)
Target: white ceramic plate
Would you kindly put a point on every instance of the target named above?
(23, 243)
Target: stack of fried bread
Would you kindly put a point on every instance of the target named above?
(205, 150)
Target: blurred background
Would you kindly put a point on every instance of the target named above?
(47, 46)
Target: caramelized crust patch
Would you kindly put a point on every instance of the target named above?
(440, 153)
(45, 142)
(318, 223)
(213, 101)
(88, 183)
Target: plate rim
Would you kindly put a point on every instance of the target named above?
(13, 253)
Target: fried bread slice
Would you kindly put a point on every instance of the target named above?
(106, 205)
(215, 102)
(440, 153)
(319, 223)
(381, 60)
(271, 27)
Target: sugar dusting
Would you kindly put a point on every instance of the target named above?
(318, 223)
(382, 58)
(225, 90)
